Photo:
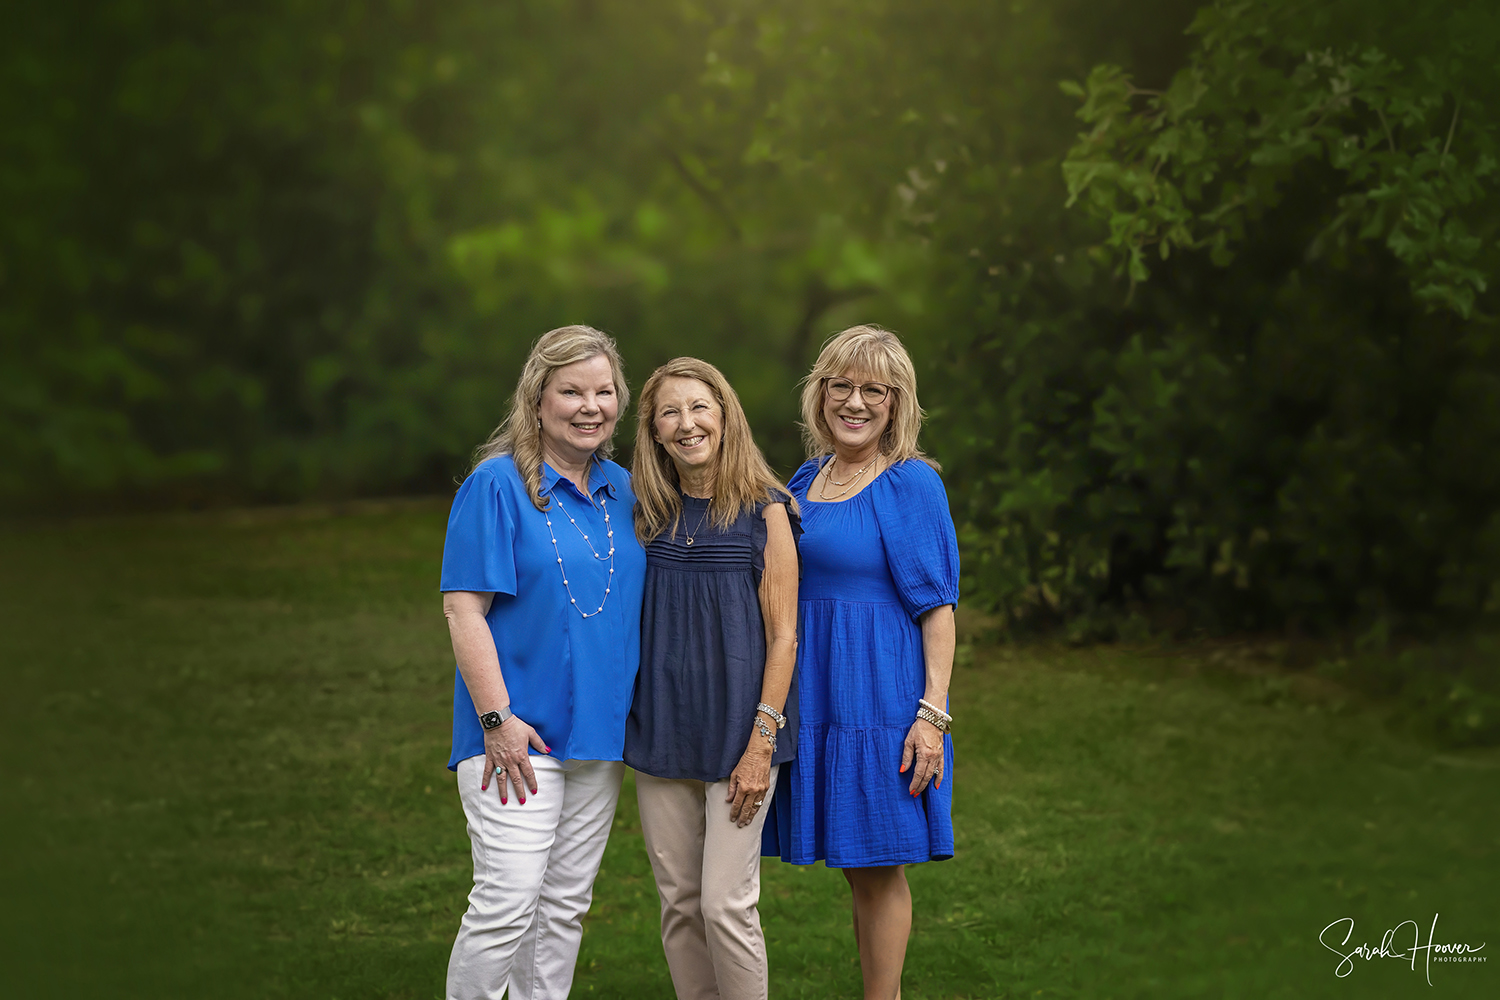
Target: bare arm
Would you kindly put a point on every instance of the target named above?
(778, 609)
(924, 743)
(479, 665)
(939, 636)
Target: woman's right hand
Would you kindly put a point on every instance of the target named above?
(505, 757)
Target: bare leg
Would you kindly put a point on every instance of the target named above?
(882, 924)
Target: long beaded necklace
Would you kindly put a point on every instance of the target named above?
(610, 555)
(847, 484)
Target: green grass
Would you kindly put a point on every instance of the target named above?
(223, 740)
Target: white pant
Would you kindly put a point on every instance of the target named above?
(534, 868)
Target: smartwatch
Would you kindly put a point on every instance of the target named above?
(494, 720)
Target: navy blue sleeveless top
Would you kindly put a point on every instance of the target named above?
(703, 650)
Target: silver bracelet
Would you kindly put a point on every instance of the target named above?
(766, 731)
(780, 719)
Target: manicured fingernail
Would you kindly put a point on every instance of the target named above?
(503, 800)
(548, 749)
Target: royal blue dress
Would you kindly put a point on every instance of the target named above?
(871, 566)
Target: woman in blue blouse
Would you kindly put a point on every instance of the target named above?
(875, 645)
(717, 648)
(542, 582)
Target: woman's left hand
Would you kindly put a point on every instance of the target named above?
(749, 783)
(924, 749)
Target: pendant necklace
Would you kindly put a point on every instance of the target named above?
(848, 484)
(700, 520)
(610, 555)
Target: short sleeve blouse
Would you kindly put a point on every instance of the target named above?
(568, 676)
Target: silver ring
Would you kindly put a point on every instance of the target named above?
(759, 801)
(499, 770)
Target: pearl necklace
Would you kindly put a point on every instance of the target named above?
(610, 555)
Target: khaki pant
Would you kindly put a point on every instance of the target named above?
(708, 876)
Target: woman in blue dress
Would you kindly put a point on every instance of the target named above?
(718, 644)
(542, 583)
(875, 646)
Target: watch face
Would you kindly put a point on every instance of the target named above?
(490, 720)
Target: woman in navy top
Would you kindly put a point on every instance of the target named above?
(717, 649)
(875, 629)
(542, 583)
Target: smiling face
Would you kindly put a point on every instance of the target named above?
(854, 424)
(688, 423)
(578, 410)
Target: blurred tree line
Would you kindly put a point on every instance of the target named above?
(1201, 297)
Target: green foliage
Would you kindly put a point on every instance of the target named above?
(1284, 431)
(299, 250)
(1271, 86)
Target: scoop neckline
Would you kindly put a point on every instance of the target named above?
(808, 497)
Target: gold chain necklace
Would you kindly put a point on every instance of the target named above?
(700, 520)
(848, 484)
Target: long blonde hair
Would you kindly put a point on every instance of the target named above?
(741, 476)
(876, 352)
(520, 433)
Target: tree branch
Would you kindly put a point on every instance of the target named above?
(712, 200)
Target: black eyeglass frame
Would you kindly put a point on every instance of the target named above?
(888, 387)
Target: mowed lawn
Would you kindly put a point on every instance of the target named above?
(224, 740)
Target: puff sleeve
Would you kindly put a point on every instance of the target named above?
(479, 551)
(916, 528)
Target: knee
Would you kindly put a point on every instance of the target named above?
(874, 885)
(504, 897)
(728, 912)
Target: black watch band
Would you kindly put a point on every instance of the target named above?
(494, 720)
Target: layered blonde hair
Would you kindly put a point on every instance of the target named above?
(741, 476)
(520, 433)
(877, 354)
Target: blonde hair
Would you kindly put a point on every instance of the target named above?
(879, 354)
(741, 476)
(520, 433)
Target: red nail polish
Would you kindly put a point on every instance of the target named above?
(549, 749)
(503, 800)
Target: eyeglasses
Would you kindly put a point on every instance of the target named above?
(873, 393)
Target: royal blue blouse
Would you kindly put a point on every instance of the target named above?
(568, 676)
